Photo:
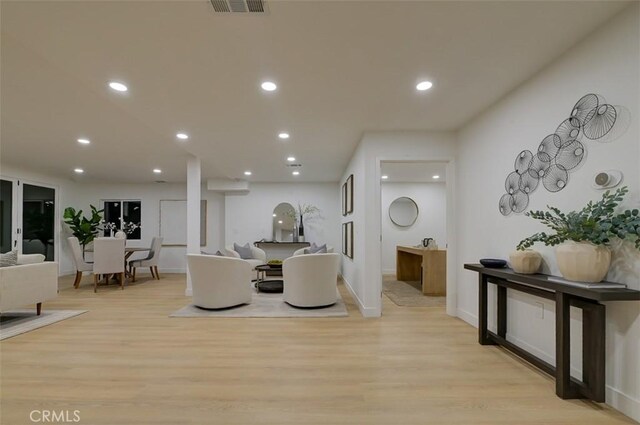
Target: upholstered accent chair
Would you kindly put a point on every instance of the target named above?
(150, 261)
(108, 259)
(78, 259)
(259, 256)
(219, 282)
(311, 280)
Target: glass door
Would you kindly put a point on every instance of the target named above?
(38, 220)
(8, 225)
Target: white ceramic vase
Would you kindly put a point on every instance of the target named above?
(583, 261)
(525, 262)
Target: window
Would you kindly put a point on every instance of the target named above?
(121, 214)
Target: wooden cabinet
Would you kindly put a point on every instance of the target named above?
(429, 266)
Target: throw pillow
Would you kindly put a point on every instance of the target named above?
(244, 251)
(9, 259)
(317, 249)
(217, 253)
(31, 259)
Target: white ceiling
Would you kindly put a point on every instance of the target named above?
(414, 172)
(342, 68)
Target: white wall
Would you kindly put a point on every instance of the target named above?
(362, 274)
(606, 63)
(431, 199)
(172, 258)
(248, 217)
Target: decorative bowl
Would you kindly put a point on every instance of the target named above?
(493, 263)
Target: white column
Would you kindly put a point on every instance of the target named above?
(193, 211)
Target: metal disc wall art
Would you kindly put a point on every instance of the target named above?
(557, 153)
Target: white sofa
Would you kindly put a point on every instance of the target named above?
(311, 280)
(259, 256)
(219, 282)
(32, 281)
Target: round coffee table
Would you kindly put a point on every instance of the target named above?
(268, 286)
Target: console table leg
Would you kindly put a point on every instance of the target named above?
(502, 311)
(593, 350)
(482, 310)
(563, 343)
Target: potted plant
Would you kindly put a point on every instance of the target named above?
(309, 211)
(583, 237)
(83, 228)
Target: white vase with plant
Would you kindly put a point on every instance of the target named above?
(583, 237)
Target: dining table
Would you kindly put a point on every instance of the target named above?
(128, 252)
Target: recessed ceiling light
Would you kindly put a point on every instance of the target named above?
(283, 135)
(275, 215)
(157, 170)
(118, 86)
(279, 221)
(182, 136)
(247, 173)
(296, 173)
(384, 177)
(84, 141)
(291, 158)
(436, 177)
(268, 86)
(424, 85)
(78, 170)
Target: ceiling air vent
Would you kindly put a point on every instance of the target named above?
(239, 6)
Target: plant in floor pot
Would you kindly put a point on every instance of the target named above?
(583, 237)
(83, 228)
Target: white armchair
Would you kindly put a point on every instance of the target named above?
(219, 282)
(311, 280)
(259, 256)
(78, 259)
(301, 250)
(108, 258)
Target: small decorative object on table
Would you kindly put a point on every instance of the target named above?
(526, 261)
(493, 263)
(583, 236)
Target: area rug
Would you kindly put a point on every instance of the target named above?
(265, 305)
(408, 294)
(17, 322)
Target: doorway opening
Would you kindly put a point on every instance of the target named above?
(414, 232)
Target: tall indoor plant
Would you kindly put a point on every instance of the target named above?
(583, 237)
(83, 228)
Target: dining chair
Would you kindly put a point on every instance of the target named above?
(78, 259)
(108, 258)
(151, 261)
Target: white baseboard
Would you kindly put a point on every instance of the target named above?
(365, 311)
(389, 271)
(470, 318)
(623, 403)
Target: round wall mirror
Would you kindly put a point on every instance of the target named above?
(403, 212)
(284, 219)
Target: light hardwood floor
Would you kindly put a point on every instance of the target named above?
(127, 362)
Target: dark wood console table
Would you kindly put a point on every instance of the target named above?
(592, 385)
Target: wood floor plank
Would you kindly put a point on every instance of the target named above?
(127, 362)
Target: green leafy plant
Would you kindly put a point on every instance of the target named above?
(83, 228)
(276, 262)
(597, 223)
